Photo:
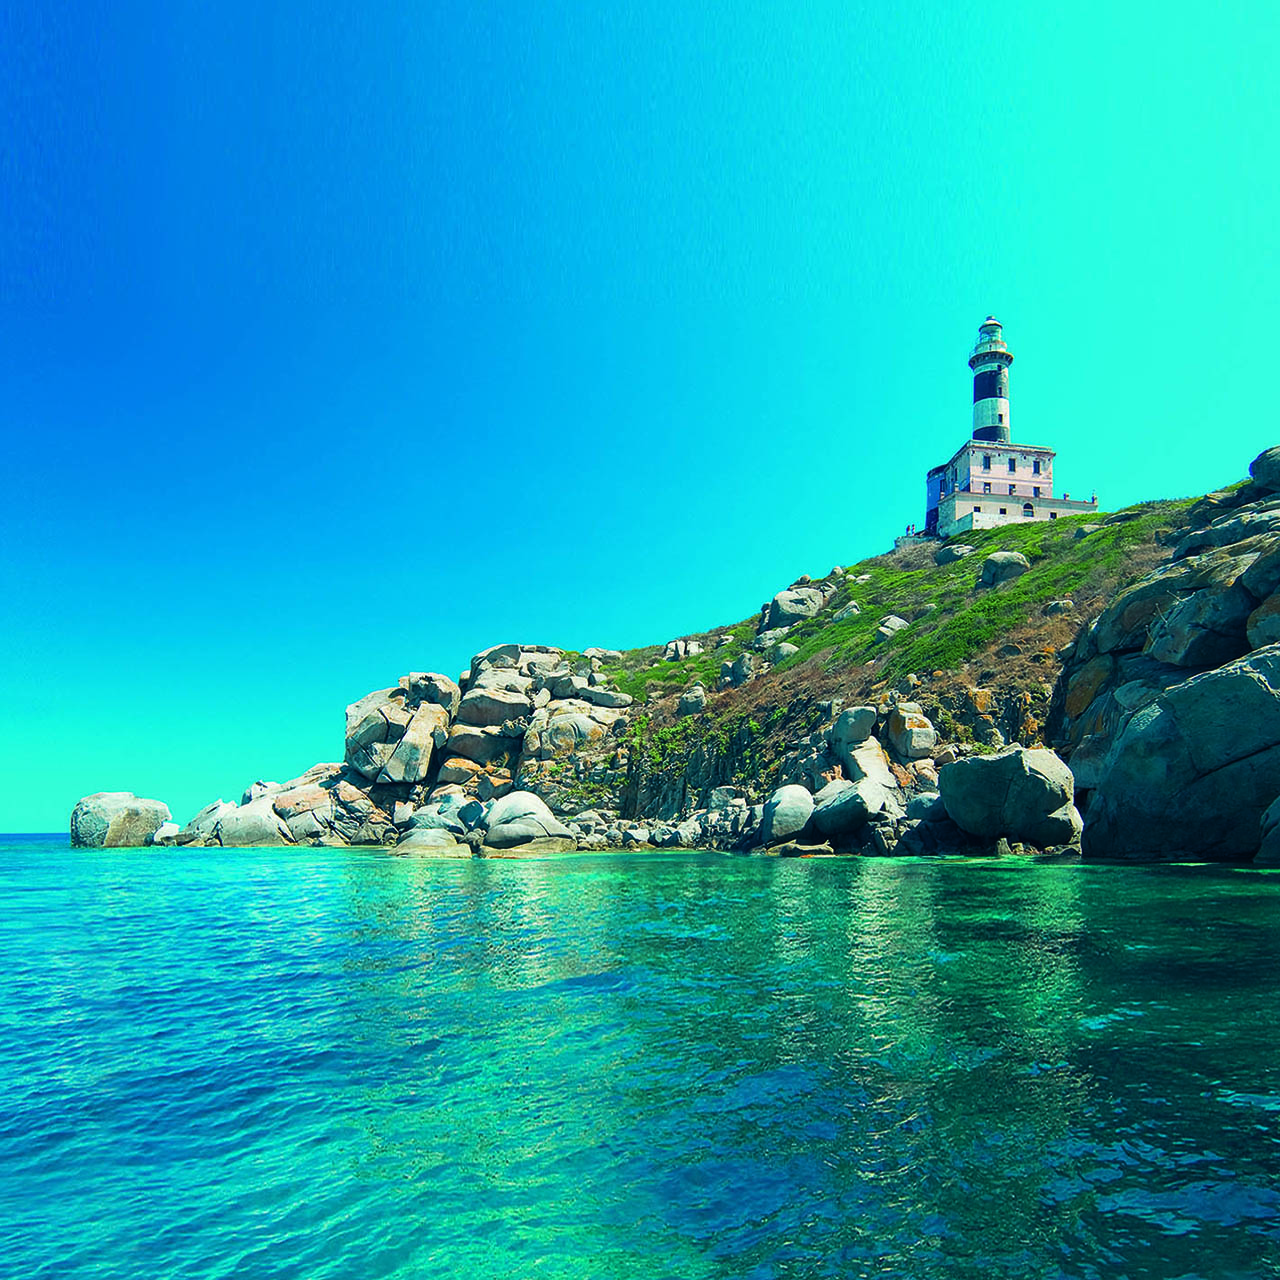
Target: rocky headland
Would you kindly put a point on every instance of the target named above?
(1108, 689)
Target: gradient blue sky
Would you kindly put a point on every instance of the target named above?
(337, 345)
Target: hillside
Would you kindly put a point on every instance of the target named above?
(981, 662)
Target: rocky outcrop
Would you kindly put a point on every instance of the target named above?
(1020, 794)
(116, 820)
(1191, 773)
(1165, 708)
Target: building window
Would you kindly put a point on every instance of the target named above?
(1013, 488)
(977, 508)
(999, 417)
(1035, 467)
(1035, 491)
(986, 462)
(986, 486)
(1053, 515)
(1004, 511)
(1029, 511)
(1013, 464)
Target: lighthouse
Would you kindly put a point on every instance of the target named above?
(992, 480)
(990, 361)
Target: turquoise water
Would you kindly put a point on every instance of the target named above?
(341, 1063)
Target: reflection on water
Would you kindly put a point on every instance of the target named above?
(333, 1063)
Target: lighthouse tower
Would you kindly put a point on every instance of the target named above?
(989, 480)
(990, 363)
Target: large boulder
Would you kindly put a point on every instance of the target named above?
(911, 732)
(1022, 794)
(484, 745)
(431, 686)
(492, 706)
(410, 761)
(786, 814)
(520, 817)
(1269, 852)
(842, 808)
(434, 842)
(889, 626)
(794, 605)
(254, 824)
(1192, 772)
(116, 819)
(1265, 469)
(1003, 566)
(375, 723)
(692, 701)
(853, 725)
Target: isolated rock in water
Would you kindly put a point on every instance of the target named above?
(1192, 773)
(135, 826)
(911, 732)
(786, 814)
(1023, 794)
(1265, 469)
(952, 552)
(692, 701)
(166, 833)
(519, 817)
(794, 605)
(94, 815)
(1002, 566)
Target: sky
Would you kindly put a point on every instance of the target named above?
(336, 344)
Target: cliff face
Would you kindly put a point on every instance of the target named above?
(1169, 704)
(1086, 634)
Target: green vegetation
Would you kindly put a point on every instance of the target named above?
(951, 622)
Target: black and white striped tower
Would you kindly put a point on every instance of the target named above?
(990, 363)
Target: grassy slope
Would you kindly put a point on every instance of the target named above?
(964, 640)
(965, 621)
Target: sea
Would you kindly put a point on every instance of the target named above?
(346, 1063)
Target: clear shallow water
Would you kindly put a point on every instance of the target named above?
(336, 1063)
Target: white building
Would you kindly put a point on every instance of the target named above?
(991, 481)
